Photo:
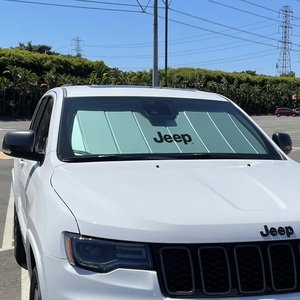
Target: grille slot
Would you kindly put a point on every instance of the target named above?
(178, 272)
(228, 270)
(250, 269)
(215, 272)
(283, 267)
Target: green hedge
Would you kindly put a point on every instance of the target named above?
(25, 76)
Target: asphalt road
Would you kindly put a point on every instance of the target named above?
(14, 281)
(290, 125)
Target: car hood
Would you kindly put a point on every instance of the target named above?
(181, 201)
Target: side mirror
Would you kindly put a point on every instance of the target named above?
(283, 141)
(20, 143)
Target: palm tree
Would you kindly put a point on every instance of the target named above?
(116, 77)
(5, 83)
(35, 93)
(100, 72)
(93, 78)
(50, 78)
(23, 88)
(14, 72)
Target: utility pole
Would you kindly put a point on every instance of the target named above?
(155, 46)
(166, 42)
(284, 62)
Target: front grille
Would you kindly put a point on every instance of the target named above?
(223, 270)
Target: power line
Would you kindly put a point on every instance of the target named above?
(258, 5)
(223, 25)
(178, 53)
(242, 10)
(74, 6)
(184, 40)
(266, 8)
(119, 4)
(143, 8)
(70, 45)
(135, 11)
(107, 3)
(248, 12)
(233, 58)
(210, 48)
(220, 33)
(223, 60)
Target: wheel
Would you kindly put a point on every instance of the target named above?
(35, 291)
(19, 250)
(278, 115)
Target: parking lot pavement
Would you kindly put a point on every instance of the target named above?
(10, 285)
(290, 125)
(14, 281)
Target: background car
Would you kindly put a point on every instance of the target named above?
(286, 111)
(297, 110)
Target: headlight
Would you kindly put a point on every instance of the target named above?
(104, 256)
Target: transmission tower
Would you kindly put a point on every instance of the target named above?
(284, 62)
(78, 49)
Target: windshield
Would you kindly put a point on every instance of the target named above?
(157, 128)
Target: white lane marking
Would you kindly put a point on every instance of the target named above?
(25, 284)
(7, 242)
(3, 156)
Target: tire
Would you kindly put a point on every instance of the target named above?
(19, 250)
(278, 115)
(35, 291)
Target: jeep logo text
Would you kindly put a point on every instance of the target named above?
(287, 230)
(186, 138)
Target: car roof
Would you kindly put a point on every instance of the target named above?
(136, 91)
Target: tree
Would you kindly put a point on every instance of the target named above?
(14, 72)
(36, 48)
(50, 79)
(290, 74)
(5, 84)
(252, 73)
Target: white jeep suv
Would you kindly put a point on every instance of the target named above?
(149, 193)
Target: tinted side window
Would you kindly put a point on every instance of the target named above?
(42, 128)
(37, 114)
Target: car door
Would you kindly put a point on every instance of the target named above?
(29, 171)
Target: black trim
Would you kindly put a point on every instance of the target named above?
(246, 269)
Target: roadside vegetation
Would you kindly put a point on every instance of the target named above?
(27, 71)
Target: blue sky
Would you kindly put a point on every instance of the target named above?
(227, 35)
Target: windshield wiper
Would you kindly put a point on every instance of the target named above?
(113, 157)
(120, 157)
(86, 158)
(158, 156)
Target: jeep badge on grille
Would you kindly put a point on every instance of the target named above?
(286, 230)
